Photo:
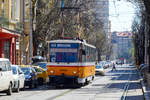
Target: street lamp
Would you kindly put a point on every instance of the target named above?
(30, 40)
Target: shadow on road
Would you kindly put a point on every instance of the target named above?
(137, 97)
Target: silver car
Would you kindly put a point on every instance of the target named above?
(18, 77)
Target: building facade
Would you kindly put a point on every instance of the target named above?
(102, 9)
(121, 40)
(8, 45)
(11, 30)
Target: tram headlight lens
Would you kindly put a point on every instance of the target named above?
(51, 71)
(74, 72)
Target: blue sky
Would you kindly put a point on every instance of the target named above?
(121, 15)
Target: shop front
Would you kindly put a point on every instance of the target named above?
(8, 45)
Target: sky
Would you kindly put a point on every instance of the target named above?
(121, 15)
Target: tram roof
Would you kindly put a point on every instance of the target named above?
(71, 41)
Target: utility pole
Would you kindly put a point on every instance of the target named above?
(30, 40)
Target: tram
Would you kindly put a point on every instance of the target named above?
(71, 61)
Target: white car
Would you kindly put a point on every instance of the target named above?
(6, 76)
(99, 70)
(18, 77)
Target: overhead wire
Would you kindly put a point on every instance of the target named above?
(117, 14)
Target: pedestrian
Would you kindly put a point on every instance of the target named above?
(113, 67)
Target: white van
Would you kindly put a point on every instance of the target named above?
(6, 76)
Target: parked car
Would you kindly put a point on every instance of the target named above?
(18, 77)
(106, 65)
(42, 75)
(131, 64)
(30, 77)
(36, 59)
(110, 64)
(99, 70)
(119, 62)
(41, 64)
(6, 76)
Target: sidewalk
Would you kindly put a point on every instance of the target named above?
(145, 82)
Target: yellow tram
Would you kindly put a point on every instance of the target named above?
(71, 61)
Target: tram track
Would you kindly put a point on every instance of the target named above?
(123, 97)
(126, 88)
(127, 93)
(57, 94)
(70, 90)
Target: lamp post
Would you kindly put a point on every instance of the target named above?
(30, 40)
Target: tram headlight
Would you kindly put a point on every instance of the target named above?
(51, 71)
(74, 72)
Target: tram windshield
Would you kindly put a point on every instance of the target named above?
(64, 52)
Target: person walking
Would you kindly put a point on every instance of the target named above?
(113, 67)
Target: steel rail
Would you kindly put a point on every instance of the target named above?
(126, 88)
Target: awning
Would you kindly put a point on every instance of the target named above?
(4, 35)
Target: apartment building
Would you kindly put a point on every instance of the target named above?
(121, 40)
(102, 9)
(12, 29)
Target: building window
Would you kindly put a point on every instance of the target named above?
(3, 12)
(15, 9)
(6, 49)
(12, 9)
(2, 8)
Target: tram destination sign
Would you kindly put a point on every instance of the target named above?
(64, 45)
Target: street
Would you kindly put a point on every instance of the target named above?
(122, 84)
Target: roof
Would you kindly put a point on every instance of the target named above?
(72, 41)
(64, 41)
(124, 34)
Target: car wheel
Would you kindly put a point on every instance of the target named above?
(40, 81)
(17, 90)
(9, 91)
(22, 89)
(102, 73)
(31, 84)
(35, 84)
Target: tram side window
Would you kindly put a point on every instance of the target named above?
(90, 54)
(84, 57)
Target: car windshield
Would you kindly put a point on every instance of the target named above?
(14, 70)
(64, 52)
(26, 70)
(41, 64)
(98, 66)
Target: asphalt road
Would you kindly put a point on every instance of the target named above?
(122, 84)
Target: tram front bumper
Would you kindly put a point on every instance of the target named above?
(54, 80)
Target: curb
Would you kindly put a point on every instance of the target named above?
(145, 92)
